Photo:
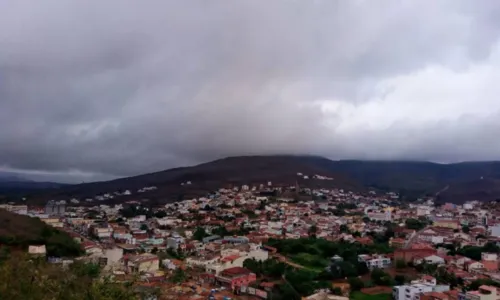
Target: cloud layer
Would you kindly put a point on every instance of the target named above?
(99, 89)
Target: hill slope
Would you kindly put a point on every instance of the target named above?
(251, 170)
(454, 182)
(19, 232)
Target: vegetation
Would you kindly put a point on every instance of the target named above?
(19, 232)
(379, 277)
(179, 276)
(474, 252)
(415, 224)
(200, 234)
(356, 283)
(35, 279)
(270, 267)
(479, 282)
(323, 249)
(133, 211)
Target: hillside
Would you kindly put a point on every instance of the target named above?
(251, 170)
(19, 232)
(457, 182)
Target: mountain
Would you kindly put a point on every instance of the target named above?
(207, 177)
(450, 182)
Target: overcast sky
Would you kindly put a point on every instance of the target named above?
(100, 89)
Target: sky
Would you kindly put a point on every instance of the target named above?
(92, 90)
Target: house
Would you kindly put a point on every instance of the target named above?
(409, 254)
(447, 223)
(485, 292)
(414, 290)
(397, 243)
(174, 241)
(235, 277)
(143, 263)
(489, 261)
(435, 296)
(431, 259)
(37, 250)
(473, 265)
(375, 261)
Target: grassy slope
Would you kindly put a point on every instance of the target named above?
(21, 231)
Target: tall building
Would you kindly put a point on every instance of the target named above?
(54, 208)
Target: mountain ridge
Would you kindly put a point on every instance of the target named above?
(413, 179)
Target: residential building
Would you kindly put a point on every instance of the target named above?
(375, 261)
(143, 263)
(54, 208)
(485, 292)
(174, 241)
(235, 277)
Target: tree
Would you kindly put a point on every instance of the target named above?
(415, 224)
(160, 214)
(400, 264)
(479, 282)
(199, 234)
(154, 250)
(380, 277)
(356, 283)
(344, 228)
(23, 277)
(337, 291)
(179, 276)
(400, 279)
(465, 229)
(144, 227)
(312, 230)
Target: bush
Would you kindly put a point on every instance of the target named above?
(356, 283)
(25, 278)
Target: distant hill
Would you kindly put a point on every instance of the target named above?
(205, 178)
(451, 182)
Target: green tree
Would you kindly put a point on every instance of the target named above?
(400, 279)
(415, 224)
(22, 277)
(337, 291)
(160, 214)
(356, 283)
(313, 230)
(465, 229)
(400, 264)
(179, 276)
(380, 277)
(199, 234)
(474, 286)
(144, 227)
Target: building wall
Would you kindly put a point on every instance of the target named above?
(113, 255)
(148, 266)
(495, 230)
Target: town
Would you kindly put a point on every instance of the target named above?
(285, 242)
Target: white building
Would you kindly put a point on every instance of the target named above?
(495, 230)
(410, 292)
(417, 287)
(489, 256)
(375, 261)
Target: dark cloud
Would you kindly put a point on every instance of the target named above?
(98, 89)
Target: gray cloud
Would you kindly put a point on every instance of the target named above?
(94, 90)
